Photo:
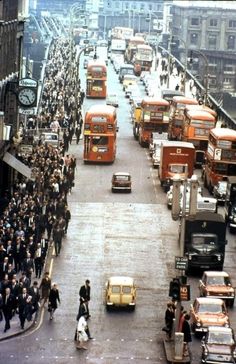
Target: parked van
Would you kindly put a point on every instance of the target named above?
(121, 292)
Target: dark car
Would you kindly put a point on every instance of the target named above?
(218, 346)
(121, 181)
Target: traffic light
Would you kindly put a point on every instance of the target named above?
(174, 290)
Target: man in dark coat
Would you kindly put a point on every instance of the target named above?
(186, 330)
(22, 301)
(84, 293)
(8, 307)
(35, 294)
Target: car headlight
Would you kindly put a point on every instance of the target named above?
(226, 324)
(232, 294)
(198, 324)
(208, 293)
(230, 217)
(234, 219)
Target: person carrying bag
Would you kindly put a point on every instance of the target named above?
(82, 337)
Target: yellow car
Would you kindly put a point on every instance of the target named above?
(120, 292)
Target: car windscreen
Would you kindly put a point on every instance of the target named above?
(220, 338)
(210, 308)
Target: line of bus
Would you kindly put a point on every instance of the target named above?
(100, 132)
(220, 156)
(96, 79)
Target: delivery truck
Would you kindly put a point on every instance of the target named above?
(176, 159)
(205, 240)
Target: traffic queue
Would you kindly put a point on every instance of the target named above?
(181, 134)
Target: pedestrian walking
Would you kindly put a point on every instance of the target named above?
(186, 330)
(8, 307)
(169, 317)
(83, 311)
(177, 87)
(77, 133)
(22, 300)
(53, 299)
(45, 285)
(82, 337)
(84, 293)
(38, 261)
(35, 294)
(57, 238)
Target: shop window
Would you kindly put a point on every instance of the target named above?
(212, 41)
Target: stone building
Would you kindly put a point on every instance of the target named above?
(210, 29)
(11, 40)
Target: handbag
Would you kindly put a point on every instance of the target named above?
(83, 336)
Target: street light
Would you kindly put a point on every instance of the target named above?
(206, 76)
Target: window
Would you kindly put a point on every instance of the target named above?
(195, 21)
(194, 38)
(117, 4)
(231, 42)
(213, 22)
(232, 24)
(212, 41)
(150, 6)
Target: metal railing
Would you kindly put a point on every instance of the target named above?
(223, 115)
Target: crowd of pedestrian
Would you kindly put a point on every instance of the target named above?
(182, 326)
(34, 215)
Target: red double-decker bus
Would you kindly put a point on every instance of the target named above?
(220, 156)
(96, 83)
(100, 128)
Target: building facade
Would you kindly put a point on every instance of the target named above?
(142, 16)
(11, 43)
(211, 31)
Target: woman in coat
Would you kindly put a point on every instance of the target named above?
(53, 299)
(45, 285)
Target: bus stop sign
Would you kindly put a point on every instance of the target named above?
(181, 263)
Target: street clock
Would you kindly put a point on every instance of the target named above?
(27, 96)
(27, 92)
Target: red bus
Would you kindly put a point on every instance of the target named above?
(196, 129)
(220, 156)
(143, 59)
(100, 128)
(177, 107)
(96, 83)
(154, 118)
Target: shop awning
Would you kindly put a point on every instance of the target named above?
(17, 165)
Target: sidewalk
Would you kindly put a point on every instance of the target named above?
(15, 329)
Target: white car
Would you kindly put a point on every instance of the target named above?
(112, 99)
(203, 203)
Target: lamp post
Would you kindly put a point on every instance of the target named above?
(206, 72)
